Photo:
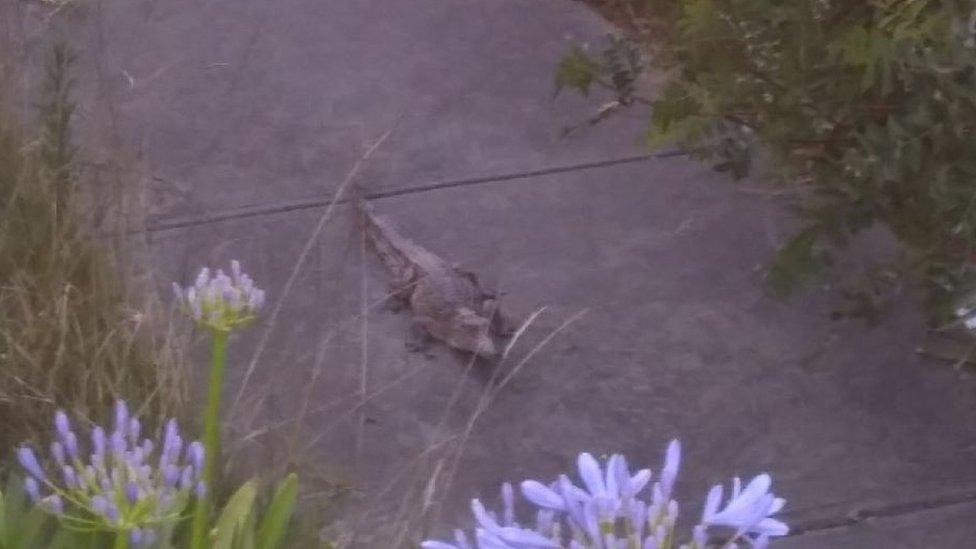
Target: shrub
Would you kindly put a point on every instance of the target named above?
(867, 106)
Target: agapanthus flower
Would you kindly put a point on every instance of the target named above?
(121, 483)
(219, 301)
(503, 533)
(748, 511)
(614, 510)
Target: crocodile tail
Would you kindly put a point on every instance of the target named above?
(382, 236)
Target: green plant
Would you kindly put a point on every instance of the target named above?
(78, 327)
(123, 490)
(21, 526)
(219, 305)
(126, 485)
(867, 107)
(239, 525)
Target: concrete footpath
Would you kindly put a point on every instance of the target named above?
(248, 114)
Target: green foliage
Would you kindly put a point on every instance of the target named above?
(238, 527)
(798, 263)
(617, 68)
(25, 526)
(20, 525)
(869, 105)
(576, 71)
(235, 527)
(273, 528)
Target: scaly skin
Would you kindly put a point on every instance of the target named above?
(447, 302)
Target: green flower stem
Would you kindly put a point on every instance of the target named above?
(121, 540)
(211, 438)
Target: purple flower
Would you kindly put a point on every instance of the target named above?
(57, 451)
(114, 483)
(71, 445)
(112, 513)
(508, 499)
(135, 429)
(32, 489)
(195, 454)
(171, 475)
(53, 504)
(748, 511)
(611, 513)
(98, 443)
(117, 441)
(672, 461)
(29, 462)
(220, 302)
(132, 492)
(99, 504)
(172, 444)
(70, 477)
(186, 478)
(61, 423)
(542, 495)
(121, 416)
(438, 545)
(512, 535)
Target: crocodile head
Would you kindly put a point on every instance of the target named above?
(472, 332)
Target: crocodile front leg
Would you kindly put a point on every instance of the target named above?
(401, 289)
(420, 339)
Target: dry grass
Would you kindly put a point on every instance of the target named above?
(73, 333)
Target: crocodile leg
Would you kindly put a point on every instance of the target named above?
(401, 289)
(420, 339)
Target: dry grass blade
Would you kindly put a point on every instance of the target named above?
(78, 326)
(300, 262)
(418, 511)
(364, 343)
(492, 391)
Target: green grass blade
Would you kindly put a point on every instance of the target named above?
(234, 516)
(274, 525)
(3, 523)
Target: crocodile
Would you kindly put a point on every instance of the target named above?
(448, 303)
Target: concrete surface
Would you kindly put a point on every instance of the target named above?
(948, 526)
(243, 106)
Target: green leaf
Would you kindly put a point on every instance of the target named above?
(278, 514)
(66, 539)
(577, 71)
(234, 517)
(245, 538)
(3, 523)
(796, 264)
(24, 523)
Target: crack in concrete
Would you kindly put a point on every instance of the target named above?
(171, 223)
(860, 515)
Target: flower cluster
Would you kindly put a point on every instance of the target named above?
(608, 512)
(118, 485)
(221, 302)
